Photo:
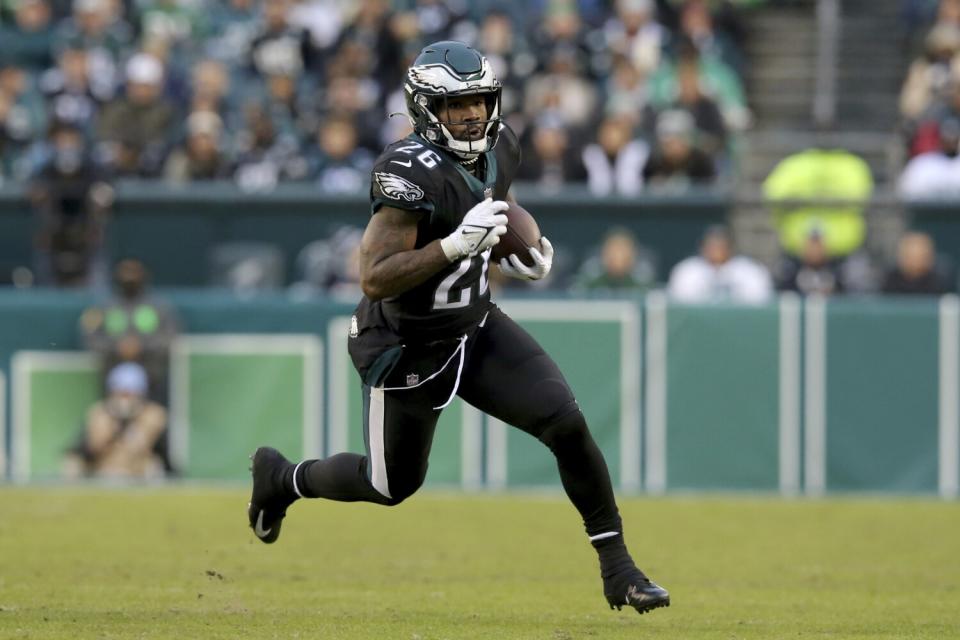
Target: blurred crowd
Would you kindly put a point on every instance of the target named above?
(619, 95)
(930, 101)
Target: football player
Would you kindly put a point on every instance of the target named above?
(426, 331)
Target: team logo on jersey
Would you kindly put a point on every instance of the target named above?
(393, 186)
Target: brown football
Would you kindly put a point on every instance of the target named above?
(522, 233)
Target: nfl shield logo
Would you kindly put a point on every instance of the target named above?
(354, 329)
(412, 379)
(488, 193)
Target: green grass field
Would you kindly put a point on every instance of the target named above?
(180, 563)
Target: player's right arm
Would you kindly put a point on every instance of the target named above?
(389, 263)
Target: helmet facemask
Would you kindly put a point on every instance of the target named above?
(466, 146)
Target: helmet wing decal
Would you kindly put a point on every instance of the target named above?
(440, 78)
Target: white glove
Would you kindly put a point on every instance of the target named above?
(480, 229)
(541, 263)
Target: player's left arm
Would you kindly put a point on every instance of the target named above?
(542, 258)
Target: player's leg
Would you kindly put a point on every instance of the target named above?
(509, 376)
(398, 432)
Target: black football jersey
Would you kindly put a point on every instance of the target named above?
(416, 176)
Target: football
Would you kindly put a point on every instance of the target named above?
(522, 233)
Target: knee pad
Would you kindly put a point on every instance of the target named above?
(402, 487)
(568, 432)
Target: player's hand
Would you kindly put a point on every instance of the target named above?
(542, 262)
(480, 229)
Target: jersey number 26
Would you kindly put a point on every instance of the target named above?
(457, 289)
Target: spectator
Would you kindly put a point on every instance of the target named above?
(825, 174)
(561, 29)
(289, 101)
(132, 326)
(511, 60)
(134, 130)
(709, 123)
(178, 23)
(614, 163)
(948, 12)
(618, 268)
(72, 201)
(322, 19)
(928, 75)
(676, 163)
(928, 137)
(551, 161)
(371, 28)
(330, 265)
(124, 435)
(916, 271)
(22, 115)
(265, 156)
(9, 142)
(561, 90)
(201, 157)
(71, 96)
(717, 80)
(626, 92)
(635, 35)
(432, 20)
(814, 273)
(279, 43)
(105, 37)
(934, 174)
(356, 98)
(696, 23)
(340, 166)
(717, 275)
(233, 26)
(210, 88)
(28, 41)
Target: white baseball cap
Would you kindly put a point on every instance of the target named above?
(144, 68)
(128, 377)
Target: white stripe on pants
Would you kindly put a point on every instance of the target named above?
(378, 459)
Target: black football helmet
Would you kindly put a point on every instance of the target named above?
(444, 70)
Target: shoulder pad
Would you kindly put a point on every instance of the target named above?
(399, 180)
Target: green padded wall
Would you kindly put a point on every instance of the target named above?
(589, 354)
(723, 397)
(234, 393)
(52, 392)
(882, 390)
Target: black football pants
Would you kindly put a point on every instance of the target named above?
(505, 374)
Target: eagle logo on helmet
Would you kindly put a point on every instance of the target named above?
(431, 77)
(393, 186)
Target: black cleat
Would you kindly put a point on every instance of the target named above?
(269, 501)
(634, 589)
